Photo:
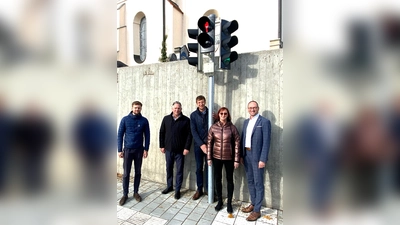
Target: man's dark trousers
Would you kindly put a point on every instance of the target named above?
(171, 158)
(135, 155)
(255, 178)
(201, 166)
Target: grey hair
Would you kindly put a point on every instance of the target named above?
(177, 102)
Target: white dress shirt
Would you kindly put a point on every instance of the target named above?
(249, 131)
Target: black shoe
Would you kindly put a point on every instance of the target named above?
(167, 190)
(177, 195)
(123, 200)
(219, 206)
(229, 208)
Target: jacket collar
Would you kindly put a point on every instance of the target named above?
(180, 115)
(220, 124)
(135, 115)
(201, 113)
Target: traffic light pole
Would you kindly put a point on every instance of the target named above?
(208, 68)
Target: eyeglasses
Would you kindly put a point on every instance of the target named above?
(223, 113)
(252, 107)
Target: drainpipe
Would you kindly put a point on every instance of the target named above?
(280, 23)
(163, 6)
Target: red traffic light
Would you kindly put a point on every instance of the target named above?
(205, 24)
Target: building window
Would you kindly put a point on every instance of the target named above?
(140, 38)
(143, 39)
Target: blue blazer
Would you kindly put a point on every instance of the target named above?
(260, 138)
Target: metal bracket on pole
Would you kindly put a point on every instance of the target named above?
(208, 64)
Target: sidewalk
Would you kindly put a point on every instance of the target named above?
(158, 209)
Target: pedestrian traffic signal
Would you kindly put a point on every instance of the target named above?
(207, 36)
(227, 42)
(193, 47)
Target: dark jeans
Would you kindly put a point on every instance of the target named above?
(229, 167)
(201, 168)
(171, 158)
(135, 155)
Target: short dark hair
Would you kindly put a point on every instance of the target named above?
(251, 102)
(136, 103)
(200, 97)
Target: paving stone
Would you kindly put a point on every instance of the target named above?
(180, 216)
(189, 222)
(175, 222)
(194, 216)
(155, 221)
(168, 216)
(125, 213)
(159, 209)
(139, 218)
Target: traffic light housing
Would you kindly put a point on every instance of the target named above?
(193, 47)
(206, 38)
(227, 42)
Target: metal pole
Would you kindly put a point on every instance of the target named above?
(210, 122)
(208, 69)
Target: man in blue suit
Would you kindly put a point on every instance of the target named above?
(255, 142)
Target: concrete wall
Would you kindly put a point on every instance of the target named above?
(254, 76)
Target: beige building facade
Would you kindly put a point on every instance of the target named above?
(141, 26)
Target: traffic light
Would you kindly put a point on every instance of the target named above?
(207, 36)
(227, 42)
(193, 47)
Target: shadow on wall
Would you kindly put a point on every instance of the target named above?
(275, 162)
(189, 170)
(241, 188)
(273, 167)
(234, 75)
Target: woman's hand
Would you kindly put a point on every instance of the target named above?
(209, 162)
(236, 165)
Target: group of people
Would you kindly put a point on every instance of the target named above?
(220, 145)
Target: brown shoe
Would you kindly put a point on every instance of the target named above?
(123, 200)
(248, 209)
(253, 216)
(137, 197)
(197, 195)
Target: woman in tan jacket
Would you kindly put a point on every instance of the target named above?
(223, 150)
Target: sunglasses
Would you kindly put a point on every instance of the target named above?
(223, 114)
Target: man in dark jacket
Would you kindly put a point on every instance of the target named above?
(199, 127)
(175, 142)
(132, 129)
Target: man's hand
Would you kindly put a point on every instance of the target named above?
(121, 154)
(145, 154)
(203, 147)
(185, 152)
(162, 150)
(209, 162)
(261, 165)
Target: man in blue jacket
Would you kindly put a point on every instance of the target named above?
(255, 142)
(175, 143)
(199, 127)
(132, 129)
